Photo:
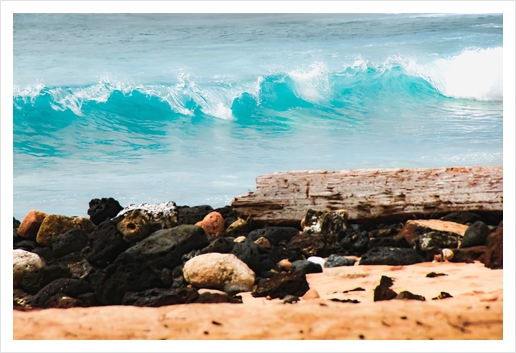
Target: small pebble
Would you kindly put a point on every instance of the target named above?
(291, 299)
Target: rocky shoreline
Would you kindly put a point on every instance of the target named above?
(160, 255)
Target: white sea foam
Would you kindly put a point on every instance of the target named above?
(473, 74)
(312, 84)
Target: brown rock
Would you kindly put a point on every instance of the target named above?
(285, 265)
(263, 243)
(54, 225)
(493, 257)
(135, 226)
(213, 224)
(30, 225)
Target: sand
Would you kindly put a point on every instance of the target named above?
(475, 312)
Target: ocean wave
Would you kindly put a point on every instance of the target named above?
(474, 74)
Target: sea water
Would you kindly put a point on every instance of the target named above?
(192, 108)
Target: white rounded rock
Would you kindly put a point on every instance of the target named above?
(214, 270)
(317, 260)
(24, 262)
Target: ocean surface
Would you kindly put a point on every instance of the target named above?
(192, 108)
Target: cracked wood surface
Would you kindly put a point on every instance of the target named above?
(284, 197)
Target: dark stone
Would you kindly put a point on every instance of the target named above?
(290, 299)
(391, 256)
(279, 253)
(355, 242)
(228, 214)
(105, 245)
(44, 253)
(388, 241)
(189, 255)
(266, 263)
(25, 244)
(102, 209)
(63, 301)
(71, 241)
(34, 281)
(111, 284)
(192, 215)
(305, 267)
(214, 298)
(433, 241)
(307, 244)
(16, 223)
(406, 295)
(75, 263)
(494, 254)
(21, 299)
(166, 247)
(338, 261)
(443, 295)
(354, 301)
(475, 235)
(69, 286)
(275, 235)
(157, 297)
(462, 217)
(223, 245)
(248, 252)
(383, 291)
(433, 274)
(386, 230)
(235, 288)
(88, 299)
(283, 284)
(469, 255)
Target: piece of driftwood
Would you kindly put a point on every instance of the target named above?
(373, 194)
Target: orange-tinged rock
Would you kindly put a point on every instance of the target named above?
(30, 225)
(311, 294)
(409, 230)
(213, 224)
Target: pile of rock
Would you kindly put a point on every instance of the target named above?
(155, 255)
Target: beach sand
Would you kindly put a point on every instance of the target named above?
(474, 312)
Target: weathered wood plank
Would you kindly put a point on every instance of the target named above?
(284, 197)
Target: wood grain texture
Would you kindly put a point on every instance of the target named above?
(368, 194)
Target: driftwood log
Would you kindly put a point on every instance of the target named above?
(373, 194)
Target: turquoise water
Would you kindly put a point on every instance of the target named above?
(191, 108)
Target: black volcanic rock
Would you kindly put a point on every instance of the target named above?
(391, 256)
(157, 297)
(69, 242)
(275, 235)
(102, 209)
(281, 285)
(475, 235)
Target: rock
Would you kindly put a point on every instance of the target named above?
(285, 265)
(214, 270)
(30, 225)
(290, 299)
(68, 286)
(212, 296)
(240, 239)
(263, 243)
(447, 254)
(44, 253)
(192, 215)
(34, 281)
(157, 297)
(307, 244)
(388, 241)
(332, 224)
(275, 234)
(161, 216)
(27, 245)
(111, 284)
(469, 255)
(383, 291)
(54, 225)
(311, 294)
(353, 241)
(223, 245)
(475, 235)
(135, 226)
(316, 260)
(213, 224)
(69, 242)
(236, 227)
(16, 224)
(228, 214)
(312, 221)
(267, 264)
(190, 255)
(21, 299)
(105, 245)
(406, 295)
(248, 252)
(24, 262)
(494, 254)
(338, 261)
(391, 256)
(437, 232)
(63, 301)
(462, 217)
(305, 267)
(166, 247)
(235, 288)
(102, 209)
(283, 284)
